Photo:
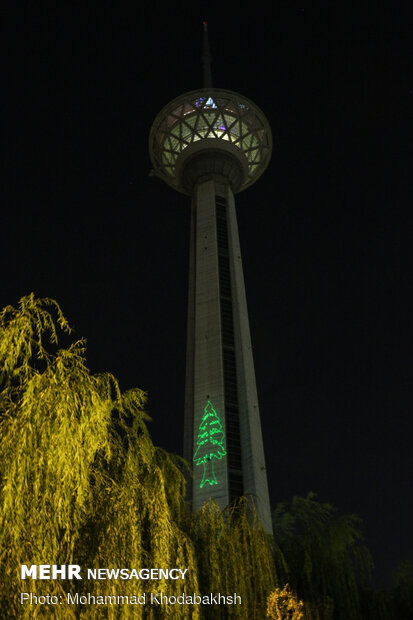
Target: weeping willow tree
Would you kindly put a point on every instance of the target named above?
(329, 566)
(81, 481)
(235, 554)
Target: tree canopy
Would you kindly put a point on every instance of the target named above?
(329, 566)
(82, 483)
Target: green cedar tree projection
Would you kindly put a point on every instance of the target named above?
(210, 444)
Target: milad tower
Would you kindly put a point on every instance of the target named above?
(211, 144)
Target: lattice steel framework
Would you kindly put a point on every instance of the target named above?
(219, 119)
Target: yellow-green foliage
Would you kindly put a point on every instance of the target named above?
(82, 483)
(234, 554)
(283, 604)
(81, 480)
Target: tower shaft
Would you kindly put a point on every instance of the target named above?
(220, 368)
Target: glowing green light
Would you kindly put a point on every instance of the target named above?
(210, 444)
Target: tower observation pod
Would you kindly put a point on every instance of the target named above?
(211, 144)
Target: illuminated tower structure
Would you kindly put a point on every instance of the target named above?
(211, 144)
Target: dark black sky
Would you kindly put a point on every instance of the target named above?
(326, 233)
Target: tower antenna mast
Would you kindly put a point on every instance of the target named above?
(206, 58)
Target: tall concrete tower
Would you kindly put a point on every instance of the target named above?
(211, 144)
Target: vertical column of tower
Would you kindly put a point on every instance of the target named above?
(208, 376)
(228, 343)
(252, 449)
(190, 352)
(220, 368)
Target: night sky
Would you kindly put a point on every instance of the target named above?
(326, 233)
